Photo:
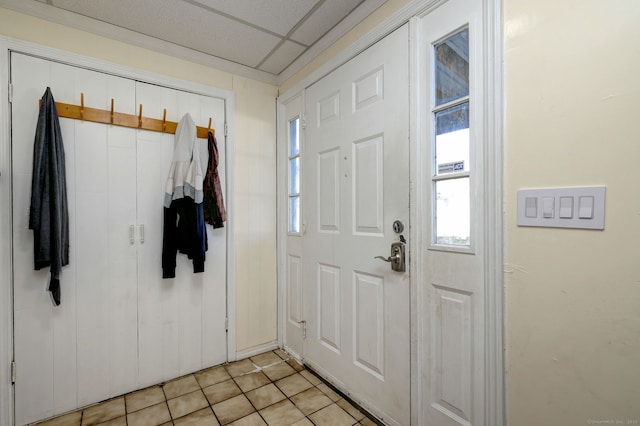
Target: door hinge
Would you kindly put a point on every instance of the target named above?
(303, 121)
(13, 372)
(303, 324)
(226, 129)
(10, 93)
(226, 324)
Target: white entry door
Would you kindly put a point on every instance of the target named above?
(451, 257)
(356, 179)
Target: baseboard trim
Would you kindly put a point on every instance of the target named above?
(257, 350)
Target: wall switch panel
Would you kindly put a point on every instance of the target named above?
(573, 207)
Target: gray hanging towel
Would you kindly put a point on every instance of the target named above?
(48, 215)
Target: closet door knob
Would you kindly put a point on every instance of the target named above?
(132, 234)
(141, 234)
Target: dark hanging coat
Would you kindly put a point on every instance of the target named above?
(214, 212)
(48, 215)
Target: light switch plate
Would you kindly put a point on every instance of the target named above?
(571, 207)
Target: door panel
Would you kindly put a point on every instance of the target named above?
(452, 263)
(294, 281)
(357, 171)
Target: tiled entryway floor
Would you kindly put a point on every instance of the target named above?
(267, 389)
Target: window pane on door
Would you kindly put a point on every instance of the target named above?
(294, 214)
(452, 140)
(453, 212)
(294, 140)
(294, 175)
(452, 68)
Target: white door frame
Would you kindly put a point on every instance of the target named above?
(493, 183)
(8, 45)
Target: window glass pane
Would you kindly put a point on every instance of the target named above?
(294, 214)
(294, 175)
(452, 68)
(453, 212)
(294, 132)
(452, 140)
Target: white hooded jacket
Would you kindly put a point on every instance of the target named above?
(186, 174)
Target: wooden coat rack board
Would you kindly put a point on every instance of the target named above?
(80, 112)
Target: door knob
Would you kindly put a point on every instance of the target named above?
(393, 258)
(397, 258)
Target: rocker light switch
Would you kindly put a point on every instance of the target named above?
(547, 207)
(566, 207)
(531, 207)
(585, 207)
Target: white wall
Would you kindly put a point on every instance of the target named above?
(255, 162)
(573, 296)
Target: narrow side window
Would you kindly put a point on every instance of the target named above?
(294, 175)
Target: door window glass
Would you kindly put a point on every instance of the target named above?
(294, 176)
(451, 159)
(452, 68)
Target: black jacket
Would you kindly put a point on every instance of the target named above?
(184, 232)
(48, 215)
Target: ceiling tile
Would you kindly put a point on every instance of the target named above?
(282, 57)
(279, 16)
(181, 23)
(325, 18)
(234, 35)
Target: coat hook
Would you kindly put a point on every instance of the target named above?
(140, 117)
(210, 119)
(111, 110)
(164, 120)
(81, 106)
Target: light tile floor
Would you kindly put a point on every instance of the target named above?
(267, 389)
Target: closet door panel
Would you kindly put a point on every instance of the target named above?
(64, 320)
(215, 283)
(34, 400)
(123, 294)
(159, 315)
(106, 272)
(92, 262)
(123, 289)
(188, 284)
(158, 312)
(41, 331)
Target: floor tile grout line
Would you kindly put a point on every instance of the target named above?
(258, 368)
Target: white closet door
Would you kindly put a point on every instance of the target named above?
(105, 261)
(182, 320)
(120, 326)
(84, 350)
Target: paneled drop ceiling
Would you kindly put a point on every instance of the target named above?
(266, 38)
